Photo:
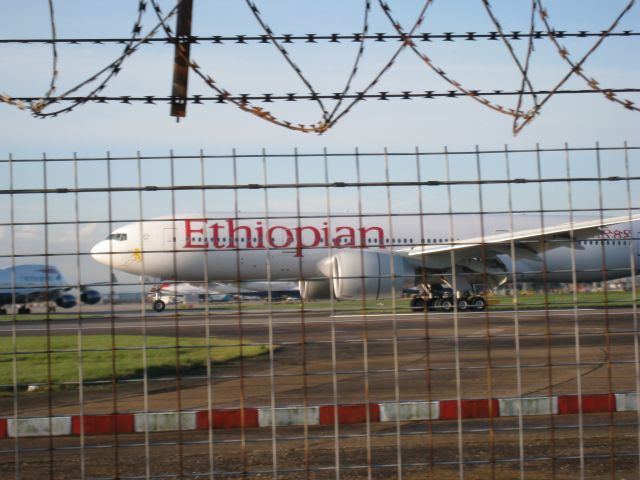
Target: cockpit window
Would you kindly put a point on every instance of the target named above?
(119, 237)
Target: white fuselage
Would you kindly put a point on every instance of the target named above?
(228, 249)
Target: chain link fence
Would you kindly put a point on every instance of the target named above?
(363, 314)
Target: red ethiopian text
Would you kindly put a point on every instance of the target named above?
(227, 235)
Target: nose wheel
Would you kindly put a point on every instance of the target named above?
(158, 305)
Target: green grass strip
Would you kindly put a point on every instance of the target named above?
(103, 357)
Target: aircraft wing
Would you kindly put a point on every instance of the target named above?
(527, 244)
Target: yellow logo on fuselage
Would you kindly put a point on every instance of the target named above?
(137, 255)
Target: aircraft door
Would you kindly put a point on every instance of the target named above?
(169, 239)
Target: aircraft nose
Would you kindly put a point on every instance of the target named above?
(100, 252)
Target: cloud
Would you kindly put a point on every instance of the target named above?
(28, 232)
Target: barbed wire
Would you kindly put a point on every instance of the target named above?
(109, 72)
(258, 111)
(319, 38)
(577, 67)
(439, 71)
(360, 54)
(285, 54)
(517, 113)
(54, 50)
(525, 81)
(385, 68)
(245, 98)
(407, 38)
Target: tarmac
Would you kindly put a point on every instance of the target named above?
(323, 359)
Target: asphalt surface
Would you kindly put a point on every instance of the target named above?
(322, 359)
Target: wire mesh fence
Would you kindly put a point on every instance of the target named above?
(448, 314)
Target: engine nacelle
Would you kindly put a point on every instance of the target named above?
(90, 297)
(365, 274)
(315, 289)
(66, 301)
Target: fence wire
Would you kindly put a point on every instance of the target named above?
(364, 314)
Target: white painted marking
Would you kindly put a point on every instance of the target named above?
(165, 421)
(39, 427)
(491, 331)
(391, 411)
(626, 402)
(511, 407)
(286, 416)
(387, 315)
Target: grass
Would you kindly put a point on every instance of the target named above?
(565, 300)
(526, 300)
(103, 357)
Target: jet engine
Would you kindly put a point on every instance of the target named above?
(315, 289)
(365, 274)
(90, 297)
(66, 301)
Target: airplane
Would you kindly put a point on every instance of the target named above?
(350, 257)
(24, 284)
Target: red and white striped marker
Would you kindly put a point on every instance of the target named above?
(315, 415)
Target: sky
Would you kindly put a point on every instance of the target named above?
(92, 130)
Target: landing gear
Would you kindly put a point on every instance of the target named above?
(446, 305)
(434, 297)
(439, 298)
(478, 304)
(158, 305)
(24, 310)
